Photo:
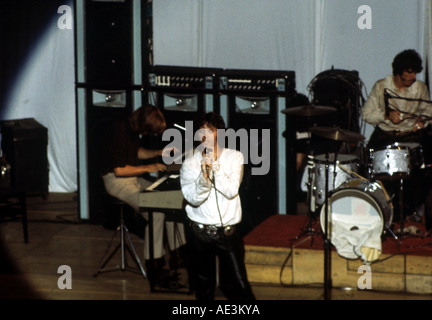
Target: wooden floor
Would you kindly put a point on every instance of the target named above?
(58, 238)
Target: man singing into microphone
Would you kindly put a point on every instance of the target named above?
(210, 179)
(399, 108)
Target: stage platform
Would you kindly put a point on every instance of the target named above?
(279, 251)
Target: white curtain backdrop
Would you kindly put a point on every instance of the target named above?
(45, 91)
(241, 34)
(306, 36)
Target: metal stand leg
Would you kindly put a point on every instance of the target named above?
(124, 235)
(401, 206)
(311, 211)
(327, 244)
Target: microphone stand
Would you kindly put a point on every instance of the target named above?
(327, 242)
(388, 96)
(327, 245)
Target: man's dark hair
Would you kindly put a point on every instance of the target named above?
(210, 119)
(407, 60)
(148, 119)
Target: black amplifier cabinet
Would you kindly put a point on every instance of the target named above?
(24, 144)
(179, 79)
(253, 98)
(257, 82)
(183, 92)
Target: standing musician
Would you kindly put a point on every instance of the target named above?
(398, 108)
(210, 180)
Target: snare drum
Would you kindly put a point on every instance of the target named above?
(336, 176)
(358, 211)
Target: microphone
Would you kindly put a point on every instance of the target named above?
(208, 160)
(386, 102)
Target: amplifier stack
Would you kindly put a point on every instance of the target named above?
(183, 79)
(257, 81)
(223, 81)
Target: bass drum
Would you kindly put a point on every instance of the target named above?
(358, 212)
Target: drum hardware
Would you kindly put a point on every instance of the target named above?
(337, 134)
(389, 198)
(401, 207)
(311, 208)
(387, 96)
(427, 234)
(309, 110)
(327, 244)
(309, 231)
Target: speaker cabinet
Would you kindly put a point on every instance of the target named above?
(112, 44)
(108, 30)
(258, 192)
(184, 92)
(253, 97)
(99, 119)
(24, 144)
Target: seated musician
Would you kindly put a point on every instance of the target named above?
(401, 120)
(123, 168)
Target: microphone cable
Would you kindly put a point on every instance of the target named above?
(213, 182)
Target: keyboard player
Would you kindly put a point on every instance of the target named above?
(122, 170)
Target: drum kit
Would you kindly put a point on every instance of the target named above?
(355, 211)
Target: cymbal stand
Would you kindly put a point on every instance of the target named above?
(309, 231)
(401, 207)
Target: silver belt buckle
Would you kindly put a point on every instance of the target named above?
(211, 230)
(228, 230)
(198, 226)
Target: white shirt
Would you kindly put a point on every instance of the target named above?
(203, 204)
(374, 109)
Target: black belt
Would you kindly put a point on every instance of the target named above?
(212, 230)
(398, 133)
(401, 133)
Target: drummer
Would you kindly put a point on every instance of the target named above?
(400, 120)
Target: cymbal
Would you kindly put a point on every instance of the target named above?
(337, 134)
(308, 110)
